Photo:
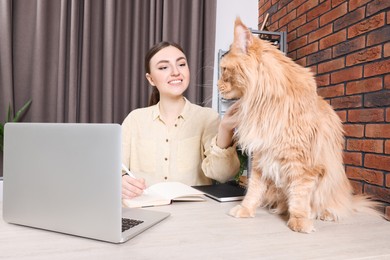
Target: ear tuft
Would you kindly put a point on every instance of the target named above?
(242, 36)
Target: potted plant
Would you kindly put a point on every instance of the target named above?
(11, 118)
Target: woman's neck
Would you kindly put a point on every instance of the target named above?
(170, 109)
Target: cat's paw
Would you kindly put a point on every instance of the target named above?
(327, 216)
(303, 225)
(241, 212)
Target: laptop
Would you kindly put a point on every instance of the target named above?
(66, 178)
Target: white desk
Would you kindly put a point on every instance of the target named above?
(203, 230)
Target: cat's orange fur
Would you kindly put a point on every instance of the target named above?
(295, 137)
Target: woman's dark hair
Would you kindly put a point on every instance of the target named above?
(155, 96)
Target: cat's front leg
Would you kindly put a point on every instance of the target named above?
(300, 190)
(256, 189)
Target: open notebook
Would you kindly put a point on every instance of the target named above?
(163, 194)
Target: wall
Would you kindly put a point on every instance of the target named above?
(227, 11)
(346, 44)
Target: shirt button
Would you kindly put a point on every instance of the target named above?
(165, 177)
(166, 140)
(166, 159)
(175, 125)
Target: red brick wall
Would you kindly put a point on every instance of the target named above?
(346, 43)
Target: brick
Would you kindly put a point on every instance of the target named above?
(367, 25)
(296, 23)
(349, 19)
(280, 13)
(319, 56)
(377, 99)
(369, 145)
(336, 2)
(293, 5)
(308, 27)
(323, 80)
(387, 114)
(320, 33)
(313, 69)
(386, 50)
(302, 62)
(377, 68)
(287, 18)
(376, 6)
(378, 130)
(376, 161)
(331, 65)
(306, 6)
(387, 151)
(347, 102)
(349, 46)
(332, 91)
(353, 4)
(301, 41)
(357, 187)
(292, 55)
(342, 115)
(365, 55)
(333, 39)
(379, 36)
(264, 8)
(367, 175)
(308, 49)
(333, 14)
(363, 86)
(354, 130)
(318, 11)
(346, 74)
(367, 115)
(388, 180)
(353, 158)
(379, 193)
(386, 84)
(291, 36)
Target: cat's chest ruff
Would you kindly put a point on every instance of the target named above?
(271, 170)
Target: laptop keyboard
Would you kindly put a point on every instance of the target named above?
(128, 223)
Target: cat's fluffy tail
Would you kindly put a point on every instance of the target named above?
(364, 203)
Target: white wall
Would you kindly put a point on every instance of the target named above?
(1, 190)
(227, 11)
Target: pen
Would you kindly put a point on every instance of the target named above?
(131, 175)
(127, 171)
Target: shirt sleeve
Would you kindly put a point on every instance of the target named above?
(219, 164)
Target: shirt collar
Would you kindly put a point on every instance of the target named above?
(184, 113)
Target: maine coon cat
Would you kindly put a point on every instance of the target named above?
(295, 137)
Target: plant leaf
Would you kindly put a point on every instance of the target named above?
(20, 113)
(9, 114)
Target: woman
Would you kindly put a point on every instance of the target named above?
(172, 139)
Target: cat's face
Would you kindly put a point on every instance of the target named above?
(231, 82)
(236, 64)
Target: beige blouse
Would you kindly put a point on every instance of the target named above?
(186, 153)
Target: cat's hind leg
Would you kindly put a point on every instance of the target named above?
(252, 199)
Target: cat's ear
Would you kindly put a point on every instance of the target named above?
(242, 36)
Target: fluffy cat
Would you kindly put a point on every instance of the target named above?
(295, 137)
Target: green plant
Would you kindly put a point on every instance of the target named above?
(12, 118)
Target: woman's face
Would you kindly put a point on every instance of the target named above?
(169, 72)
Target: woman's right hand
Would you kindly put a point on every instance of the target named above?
(132, 187)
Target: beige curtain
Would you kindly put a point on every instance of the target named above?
(83, 60)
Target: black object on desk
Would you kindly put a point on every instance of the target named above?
(223, 192)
